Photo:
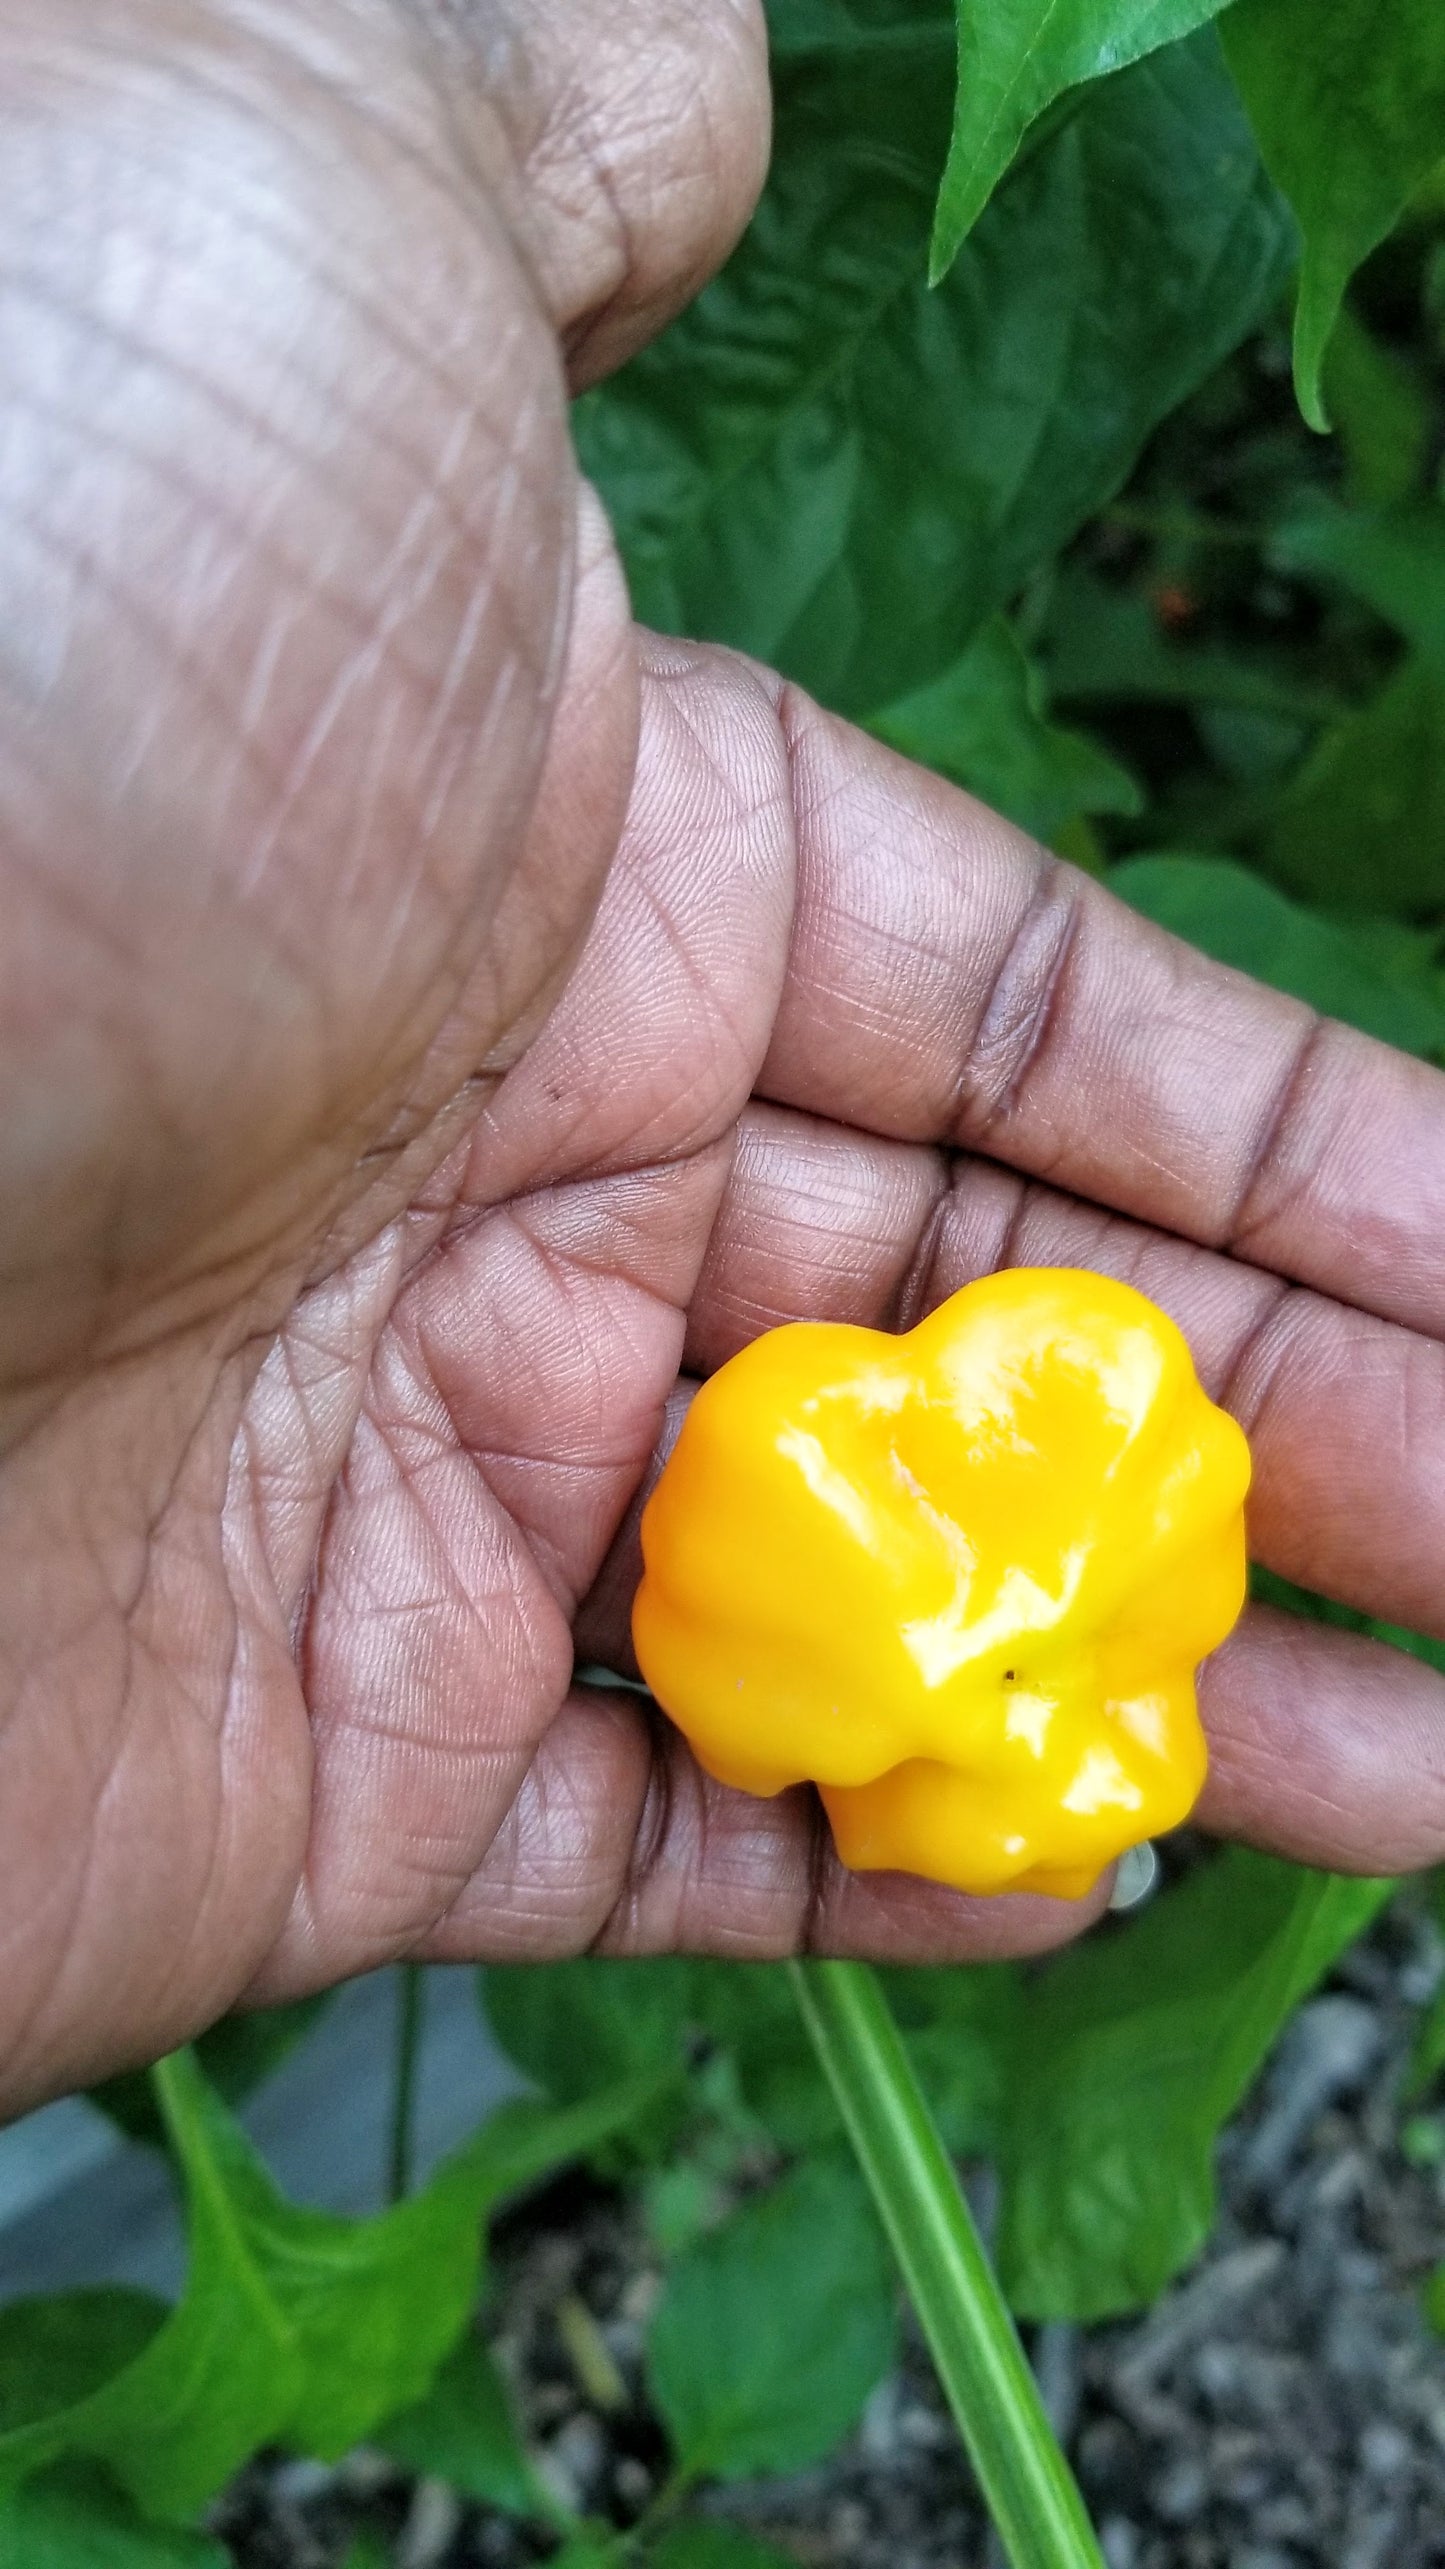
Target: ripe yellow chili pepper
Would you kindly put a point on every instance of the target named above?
(959, 1579)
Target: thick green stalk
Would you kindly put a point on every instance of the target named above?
(1030, 2491)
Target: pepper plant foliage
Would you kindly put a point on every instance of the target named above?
(986, 436)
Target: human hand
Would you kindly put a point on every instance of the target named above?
(347, 1267)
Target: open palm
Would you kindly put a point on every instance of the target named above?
(484, 1017)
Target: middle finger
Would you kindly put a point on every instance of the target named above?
(1345, 1412)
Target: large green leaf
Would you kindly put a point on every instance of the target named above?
(1238, 918)
(577, 2026)
(1381, 412)
(1105, 643)
(1363, 825)
(1015, 57)
(984, 724)
(959, 2028)
(829, 466)
(1348, 101)
(774, 2329)
(1132, 2051)
(463, 2431)
(1394, 559)
(77, 2519)
(294, 2327)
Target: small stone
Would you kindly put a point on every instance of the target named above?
(1385, 2451)
(364, 2472)
(573, 2460)
(1119, 2542)
(300, 2483)
(848, 2525)
(632, 2481)
(880, 2430)
(641, 2297)
(433, 2522)
(1181, 2492)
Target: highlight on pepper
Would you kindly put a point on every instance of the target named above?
(960, 1579)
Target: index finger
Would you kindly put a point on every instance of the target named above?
(951, 982)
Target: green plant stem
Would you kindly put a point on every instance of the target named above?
(409, 1994)
(1027, 2484)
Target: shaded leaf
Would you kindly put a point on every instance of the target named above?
(959, 2028)
(1015, 57)
(59, 2348)
(1133, 2049)
(577, 2026)
(1381, 414)
(825, 464)
(716, 2546)
(77, 2519)
(464, 2432)
(748, 2011)
(1105, 643)
(1394, 559)
(1239, 919)
(1427, 2053)
(984, 725)
(774, 2329)
(1363, 824)
(1348, 102)
(367, 2550)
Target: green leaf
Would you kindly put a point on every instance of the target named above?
(463, 2431)
(1381, 412)
(577, 2026)
(1363, 824)
(368, 2550)
(958, 2028)
(1133, 2050)
(1348, 101)
(77, 2519)
(1015, 57)
(747, 2010)
(716, 2546)
(830, 467)
(1239, 919)
(984, 725)
(1104, 643)
(294, 2327)
(774, 2329)
(60, 2347)
(1427, 2053)
(1394, 559)
(236, 2055)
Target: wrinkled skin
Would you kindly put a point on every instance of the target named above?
(433, 1015)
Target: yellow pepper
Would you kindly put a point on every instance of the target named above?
(959, 1579)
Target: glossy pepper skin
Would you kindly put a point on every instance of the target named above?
(959, 1579)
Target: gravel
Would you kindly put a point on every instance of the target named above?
(1283, 2407)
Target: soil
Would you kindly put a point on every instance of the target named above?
(1283, 2407)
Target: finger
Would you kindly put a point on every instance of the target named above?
(285, 612)
(619, 1844)
(636, 143)
(1324, 1746)
(950, 982)
(1345, 1413)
